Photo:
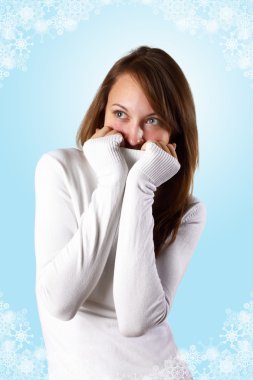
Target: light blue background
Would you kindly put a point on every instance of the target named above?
(41, 109)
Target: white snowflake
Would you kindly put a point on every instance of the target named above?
(21, 335)
(245, 26)
(211, 353)
(192, 23)
(8, 360)
(4, 326)
(78, 10)
(226, 14)
(3, 74)
(3, 305)
(26, 14)
(58, 22)
(226, 366)
(249, 306)
(21, 44)
(231, 44)
(193, 355)
(8, 27)
(211, 26)
(26, 366)
(244, 360)
(232, 334)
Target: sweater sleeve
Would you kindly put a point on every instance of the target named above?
(71, 254)
(144, 286)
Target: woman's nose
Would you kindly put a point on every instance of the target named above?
(135, 135)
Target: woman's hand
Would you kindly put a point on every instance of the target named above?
(169, 148)
(103, 153)
(158, 164)
(104, 131)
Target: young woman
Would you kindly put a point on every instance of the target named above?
(116, 225)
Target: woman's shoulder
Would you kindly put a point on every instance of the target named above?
(60, 162)
(65, 156)
(195, 211)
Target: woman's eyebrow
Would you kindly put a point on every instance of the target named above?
(120, 105)
(117, 104)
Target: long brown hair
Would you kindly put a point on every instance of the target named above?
(169, 93)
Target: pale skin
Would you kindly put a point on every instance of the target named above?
(129, 112)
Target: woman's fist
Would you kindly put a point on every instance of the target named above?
(104, 131)
(169, 148)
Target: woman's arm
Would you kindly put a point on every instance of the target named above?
(70, 256)
(144, 287)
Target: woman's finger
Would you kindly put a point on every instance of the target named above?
(172, 149)
(105, 130)
(169, 148)
(163, 146)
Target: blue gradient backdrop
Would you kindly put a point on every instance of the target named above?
(41, 109)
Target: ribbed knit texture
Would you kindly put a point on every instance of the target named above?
(102, 296)
(157, 165)
(109, 162)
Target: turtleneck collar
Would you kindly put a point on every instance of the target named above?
(131, 155)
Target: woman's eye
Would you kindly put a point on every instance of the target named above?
(153, 121)
(119, 113)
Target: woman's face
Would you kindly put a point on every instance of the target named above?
(129, 112)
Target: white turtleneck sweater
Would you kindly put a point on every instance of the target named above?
(102, 296)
